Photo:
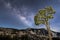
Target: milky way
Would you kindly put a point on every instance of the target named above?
(20, 13)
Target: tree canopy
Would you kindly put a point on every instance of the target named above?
(44, 15)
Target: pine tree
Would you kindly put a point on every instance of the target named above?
(43, 16)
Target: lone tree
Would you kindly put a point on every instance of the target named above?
(43, 16)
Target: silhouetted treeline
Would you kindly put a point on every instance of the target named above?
(23, 37)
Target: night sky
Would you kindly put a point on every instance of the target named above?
(19, 14)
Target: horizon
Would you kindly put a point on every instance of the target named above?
(19, 14)
(27, 29)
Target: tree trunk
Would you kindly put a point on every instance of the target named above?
(48, 29)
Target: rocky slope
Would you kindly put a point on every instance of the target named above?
(27, 34)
